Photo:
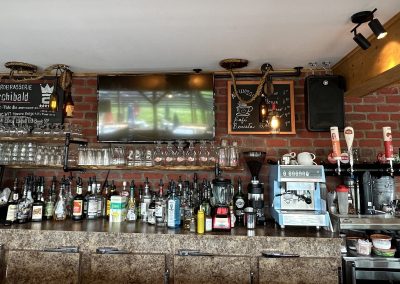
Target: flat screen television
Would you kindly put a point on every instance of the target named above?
(155, 107)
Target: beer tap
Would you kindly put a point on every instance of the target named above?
(336, 146)
(387, 141)
(349, 137)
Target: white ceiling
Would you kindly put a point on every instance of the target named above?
(179, 35)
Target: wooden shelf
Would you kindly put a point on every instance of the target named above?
(30, 166)
(160, 168)
(37, 138)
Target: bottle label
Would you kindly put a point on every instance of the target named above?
(23, 211)
(131, 214)
(37, 212)
(208, 224)
(143, 208)
(92, 208)
(171, 213)
(78, 208)
(108, 207)
(49, 208)
(12, 212)
(159, 211)
(151, 218)
(239, 203)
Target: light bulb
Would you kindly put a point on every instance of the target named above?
(53, 102)
(274, 122)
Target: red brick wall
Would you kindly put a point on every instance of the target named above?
(367, 115)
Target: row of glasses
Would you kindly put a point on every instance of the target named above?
(15, 153)
(15, 125)
(94, 156)
(56, 129)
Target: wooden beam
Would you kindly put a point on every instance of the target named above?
(368, 70)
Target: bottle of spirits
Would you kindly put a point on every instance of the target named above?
(86, 198)
(239, 204)
(12, 205)
(151, 217)
(105, 194)
(100, 200)
(50, 200)
(68, 196)
(111, 193)
(160, 206)
(124, 191)
(146, 199)
(174, 218)
(131, 214)
(38, 205)
(77, 210)
(60, 210)
(92, 203)
(139, 207)
(24, 207)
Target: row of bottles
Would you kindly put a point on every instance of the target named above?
(186, 204)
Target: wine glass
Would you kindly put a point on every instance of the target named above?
(159, 155)
(180, 154)
(191, 155)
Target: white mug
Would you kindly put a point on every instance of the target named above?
(306, 159)
(288, 158)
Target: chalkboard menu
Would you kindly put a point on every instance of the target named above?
(29, 101)
(243, 118)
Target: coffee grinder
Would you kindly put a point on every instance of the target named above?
(255, 189)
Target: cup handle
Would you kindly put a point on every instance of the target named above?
(312, 156)
(292, 154)
(314, 163)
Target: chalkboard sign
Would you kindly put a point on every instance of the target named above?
(243, 119)
(29, 101)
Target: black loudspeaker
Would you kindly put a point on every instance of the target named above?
(324, 102)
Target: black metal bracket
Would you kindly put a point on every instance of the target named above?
(68, 141)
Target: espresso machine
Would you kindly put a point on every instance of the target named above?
(222, 191)
(255, 189)
(295, 196)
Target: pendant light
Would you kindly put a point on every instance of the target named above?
(69, 105)
(274, 121)
(263, 110)
(53, 102)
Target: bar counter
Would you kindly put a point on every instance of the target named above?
(237, 252)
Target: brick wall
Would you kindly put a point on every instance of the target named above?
(367, 115)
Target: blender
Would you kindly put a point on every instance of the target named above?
(222, 196)
(255, 189)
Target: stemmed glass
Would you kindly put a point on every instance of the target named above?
(191, 155)
(180, 154)
(159, 156)
(170, 155)
(203, 153)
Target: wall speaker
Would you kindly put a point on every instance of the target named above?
(324, 102)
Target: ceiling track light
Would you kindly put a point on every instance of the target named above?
(374, 24)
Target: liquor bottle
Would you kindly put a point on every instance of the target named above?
(77, 207)
(195, 193)
(24, 207)
(105, 194)
(206, 205)
(92, 203)
(111, 193)
(160, 206)
(60, 210)
(131, 214)
(12, 205)
(100, 200)
(146, 199)
(151, 217)
(139, 208)
(86, 198)
(38, 204)
(174, 218)
(50, 200)
(239, 204)
(124, 191)
(68, 196)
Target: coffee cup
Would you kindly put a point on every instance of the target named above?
(243, 110)
(306, 159)
(287, 159)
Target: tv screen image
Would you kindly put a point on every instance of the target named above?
(155, 107)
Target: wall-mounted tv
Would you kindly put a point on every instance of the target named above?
(155, 107)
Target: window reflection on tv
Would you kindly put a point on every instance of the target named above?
(156, 107)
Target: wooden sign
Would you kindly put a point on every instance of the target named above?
(243, 119)
(29, 101)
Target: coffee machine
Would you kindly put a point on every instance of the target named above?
(222, 191)
(255, 189)
(295, 196)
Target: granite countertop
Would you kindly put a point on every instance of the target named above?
(102, 225)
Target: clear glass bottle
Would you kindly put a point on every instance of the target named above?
(174, 218)
(100, 200)
(77, 202)
(68, 196)
(60, 210)
(92, 208)
(105, 195)
(160, 206)
(86, 198)
(146, 199)
(151, 217)
(50, 200)
(124, 191)
(131, 214)
(24, 208)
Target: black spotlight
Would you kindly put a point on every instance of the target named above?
(377, 28)
(361, 40)
(363, 17)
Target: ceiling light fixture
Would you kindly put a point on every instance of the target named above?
(376, 27)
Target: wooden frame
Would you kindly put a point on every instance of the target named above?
(283, 91)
